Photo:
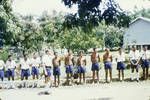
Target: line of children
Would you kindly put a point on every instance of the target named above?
(50, 61)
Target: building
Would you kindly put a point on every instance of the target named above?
(138, 33)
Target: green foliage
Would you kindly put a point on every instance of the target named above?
(4, 54)
(76, 39)
(5, 15)
(113, 37)
(28, 34)
(140, 13)
(90, 14)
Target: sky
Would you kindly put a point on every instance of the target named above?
(36, 7)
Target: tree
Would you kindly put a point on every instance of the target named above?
(140, 13)
(89, 14)
(31, 36)
(5, 14)
(52, 28)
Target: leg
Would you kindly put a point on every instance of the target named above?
(13, 78)
(143, 73)
(8, 78)
(119, 74)
(26, 77)
(106, 74)
(58, 79)
(123, 75)
(1, 78)
(147, 69)
(93, 79)
(80, 77)
(37, 73)
(110, 73)
(84, 77)
(13, 74)
(33, 76)
(71, 77)
(37, 76)
(67, 78)
(22, 78)
(132, 73)
(137, 71)
(48, 78)
(97, 73)
(55, 80)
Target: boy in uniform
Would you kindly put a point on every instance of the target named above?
(107, 58)
(56, 69)
(81, 62)
(95, 58)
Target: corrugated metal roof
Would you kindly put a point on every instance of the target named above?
(140, 18)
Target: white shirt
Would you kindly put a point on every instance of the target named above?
(134, 55)
(121, 58)
(35, 62)
(2, 64)
(10, 64)
(25, 64)
(47, 60)
(145, 54)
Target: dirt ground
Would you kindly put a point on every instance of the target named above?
(102, 91)
(109, 91)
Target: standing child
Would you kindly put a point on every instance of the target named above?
(107, 58)
(47, 65)
(69, 66)
(35, 62)
(25, 68)
(2, 65)
(145, 55)
(81, 62)
(95, 65)
(10, 66)
(56, 69)
(120, 64)
(134, 60)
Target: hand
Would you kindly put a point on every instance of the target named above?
(45, 72)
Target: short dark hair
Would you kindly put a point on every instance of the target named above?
(119, 48)
(134, 46)
(25, 55)
(69, 50)
(144, 46)
(46, 51)
(9, 56)
(55, 53)
(94, 49)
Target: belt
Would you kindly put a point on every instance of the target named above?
(25, 69)
(48, 67)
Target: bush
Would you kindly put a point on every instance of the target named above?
(4, 54)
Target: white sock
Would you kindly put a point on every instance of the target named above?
(132, 76)
(137, 77)
(120, 78)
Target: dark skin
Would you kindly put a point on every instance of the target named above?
(33, 76)
(10, 59)
(47, 78)
(107, 57)
(145, 70)
(134, 65)
(2, 77)
(95, 59)
(69, 61)
(56, 63)
(81, 62)
(26, 77)
(120, 71)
